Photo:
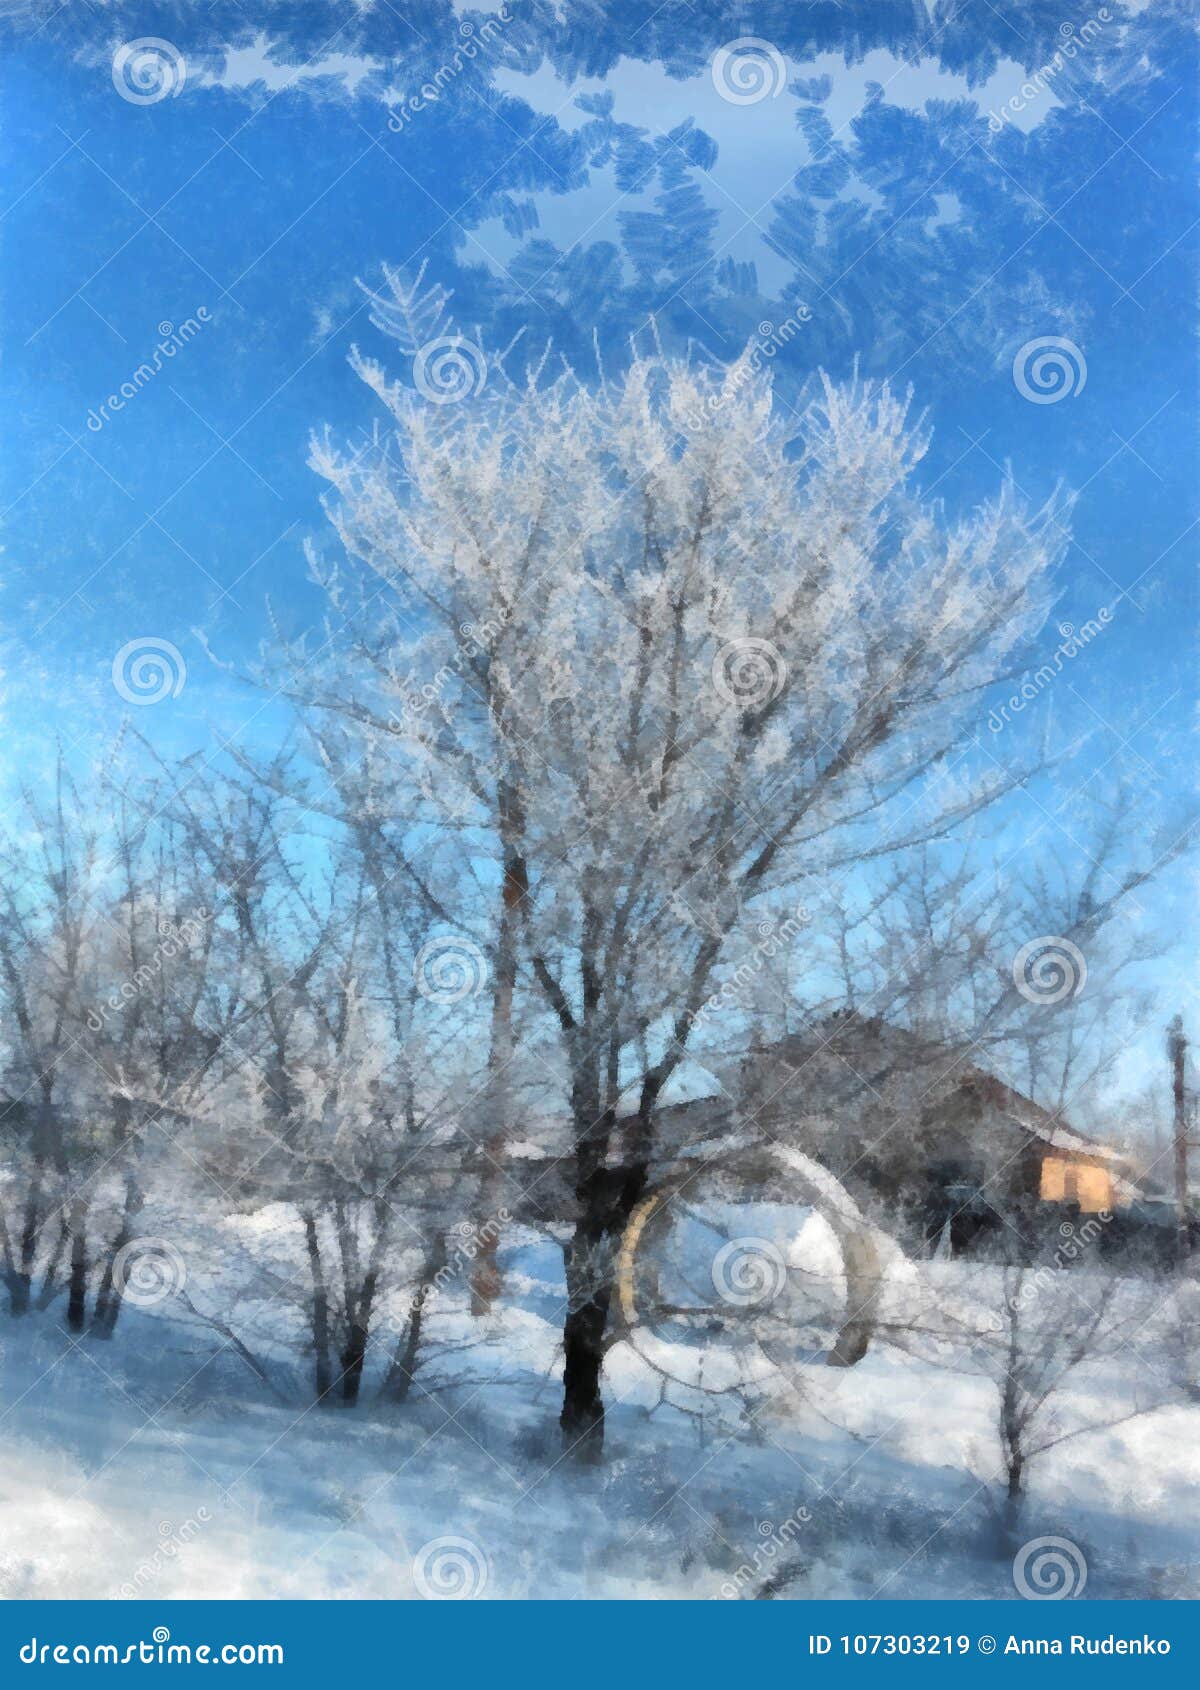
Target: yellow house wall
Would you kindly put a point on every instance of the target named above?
(1066, 1182)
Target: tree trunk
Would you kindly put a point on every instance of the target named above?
(485, 1275)
(77, 1291)
(589, 1295)
(607, 1198)
(360, 1294)
(1016, 1472)
(22, 1285)
(110, 1294)
(322, 1366)
(50, 1275)
(1013, 1501)
(9, 1270)
(354, 1354)
(398, 1382)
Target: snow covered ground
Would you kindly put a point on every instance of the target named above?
(155, 1467)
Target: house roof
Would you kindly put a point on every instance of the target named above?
(849, 1054)
(1041, 1123)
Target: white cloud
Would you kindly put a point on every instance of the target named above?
(254, 67)
(759, 145)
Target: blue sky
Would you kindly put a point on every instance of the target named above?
(866, 185)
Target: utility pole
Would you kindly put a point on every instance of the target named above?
(1177, 1050)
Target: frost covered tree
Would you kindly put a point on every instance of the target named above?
(681, 654)
(110, 1033)
(49, 875)
(329, 1128)
(1055, 1332)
